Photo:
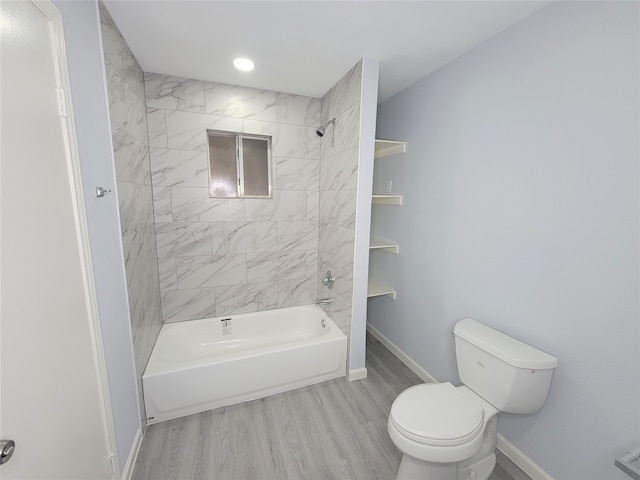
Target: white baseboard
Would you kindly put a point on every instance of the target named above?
(523, 462)
(404, 358)
(357, 374)
(133, 454)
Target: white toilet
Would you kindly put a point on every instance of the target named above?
(449, 433)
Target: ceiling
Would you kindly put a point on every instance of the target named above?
(305, 47)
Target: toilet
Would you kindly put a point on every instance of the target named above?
(449, 433)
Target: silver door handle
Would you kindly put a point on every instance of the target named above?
(101, 192)
(7, 447)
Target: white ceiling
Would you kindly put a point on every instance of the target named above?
(305, 47)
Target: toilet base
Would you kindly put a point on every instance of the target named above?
(480, 470)
(414, 469)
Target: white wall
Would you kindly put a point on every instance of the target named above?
(368, 100)
(86, 71)
(521, 210)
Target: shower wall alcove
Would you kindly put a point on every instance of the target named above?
(189, 256)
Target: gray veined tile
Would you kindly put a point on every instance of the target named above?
(349, 128)
(194, 205)
(312, 263)
(313, 205)
(183, 239)
(157, 126)
(162, 204)
(126, 109)
(116, 93)
(189, 304)
(244, 237)
(265, 267)
(314, 144)
(338, 242)
(297, 174)
(188, 131)
(287, 140)
(340, 171)
(249, 297)
(131, 157)
(347, 210)
(211, 271)
(136, 206)
(240, 102)
(174, 93)
(118, 53)
(297, 235)
(297, 292)
(298, 109)
(167, 273)
(171, 168)
(286, 205)
(344, 94)
(329, 207)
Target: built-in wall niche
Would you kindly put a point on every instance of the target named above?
(239, 165)
(384, 148)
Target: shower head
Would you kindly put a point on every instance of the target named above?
(321, 130)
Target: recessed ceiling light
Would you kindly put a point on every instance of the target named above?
(243, 64)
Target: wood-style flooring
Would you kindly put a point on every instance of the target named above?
(333, 430)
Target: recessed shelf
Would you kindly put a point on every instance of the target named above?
(385, 148)
(387, 199)
(374, 289)
(382, 245)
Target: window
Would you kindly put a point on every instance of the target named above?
(239, 165)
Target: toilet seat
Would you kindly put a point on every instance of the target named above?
(437, 414)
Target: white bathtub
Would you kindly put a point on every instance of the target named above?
(204, 364)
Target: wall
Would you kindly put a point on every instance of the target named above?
(224, 256)
(338, 189)
(367, 127)
(521, 210)
(90, 110)
(125, 85)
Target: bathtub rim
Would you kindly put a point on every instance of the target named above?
(156, 367)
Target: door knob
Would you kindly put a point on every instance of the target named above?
(101, 192)
(7, 447)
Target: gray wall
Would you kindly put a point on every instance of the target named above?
(521, 210)
(89, 96)
(128, 113)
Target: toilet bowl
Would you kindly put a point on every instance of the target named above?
(449, 433)
(442, 425)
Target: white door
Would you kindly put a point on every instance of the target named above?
(52, 399)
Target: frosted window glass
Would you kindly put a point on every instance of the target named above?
(223, 167)
(255, 167)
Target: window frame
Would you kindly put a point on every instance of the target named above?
(240, 177)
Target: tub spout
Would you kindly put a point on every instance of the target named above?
(324, 301)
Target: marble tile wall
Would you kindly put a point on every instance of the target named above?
(338, 188)
(125, 86)
(226, 256)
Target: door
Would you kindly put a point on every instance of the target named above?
(52, 398)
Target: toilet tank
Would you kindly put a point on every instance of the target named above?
(511, 375)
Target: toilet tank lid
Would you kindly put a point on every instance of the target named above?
(502, 346)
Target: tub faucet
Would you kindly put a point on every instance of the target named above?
(324, 301)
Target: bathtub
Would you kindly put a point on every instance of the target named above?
(203, 364)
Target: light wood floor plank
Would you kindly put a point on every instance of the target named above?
(336, 430)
